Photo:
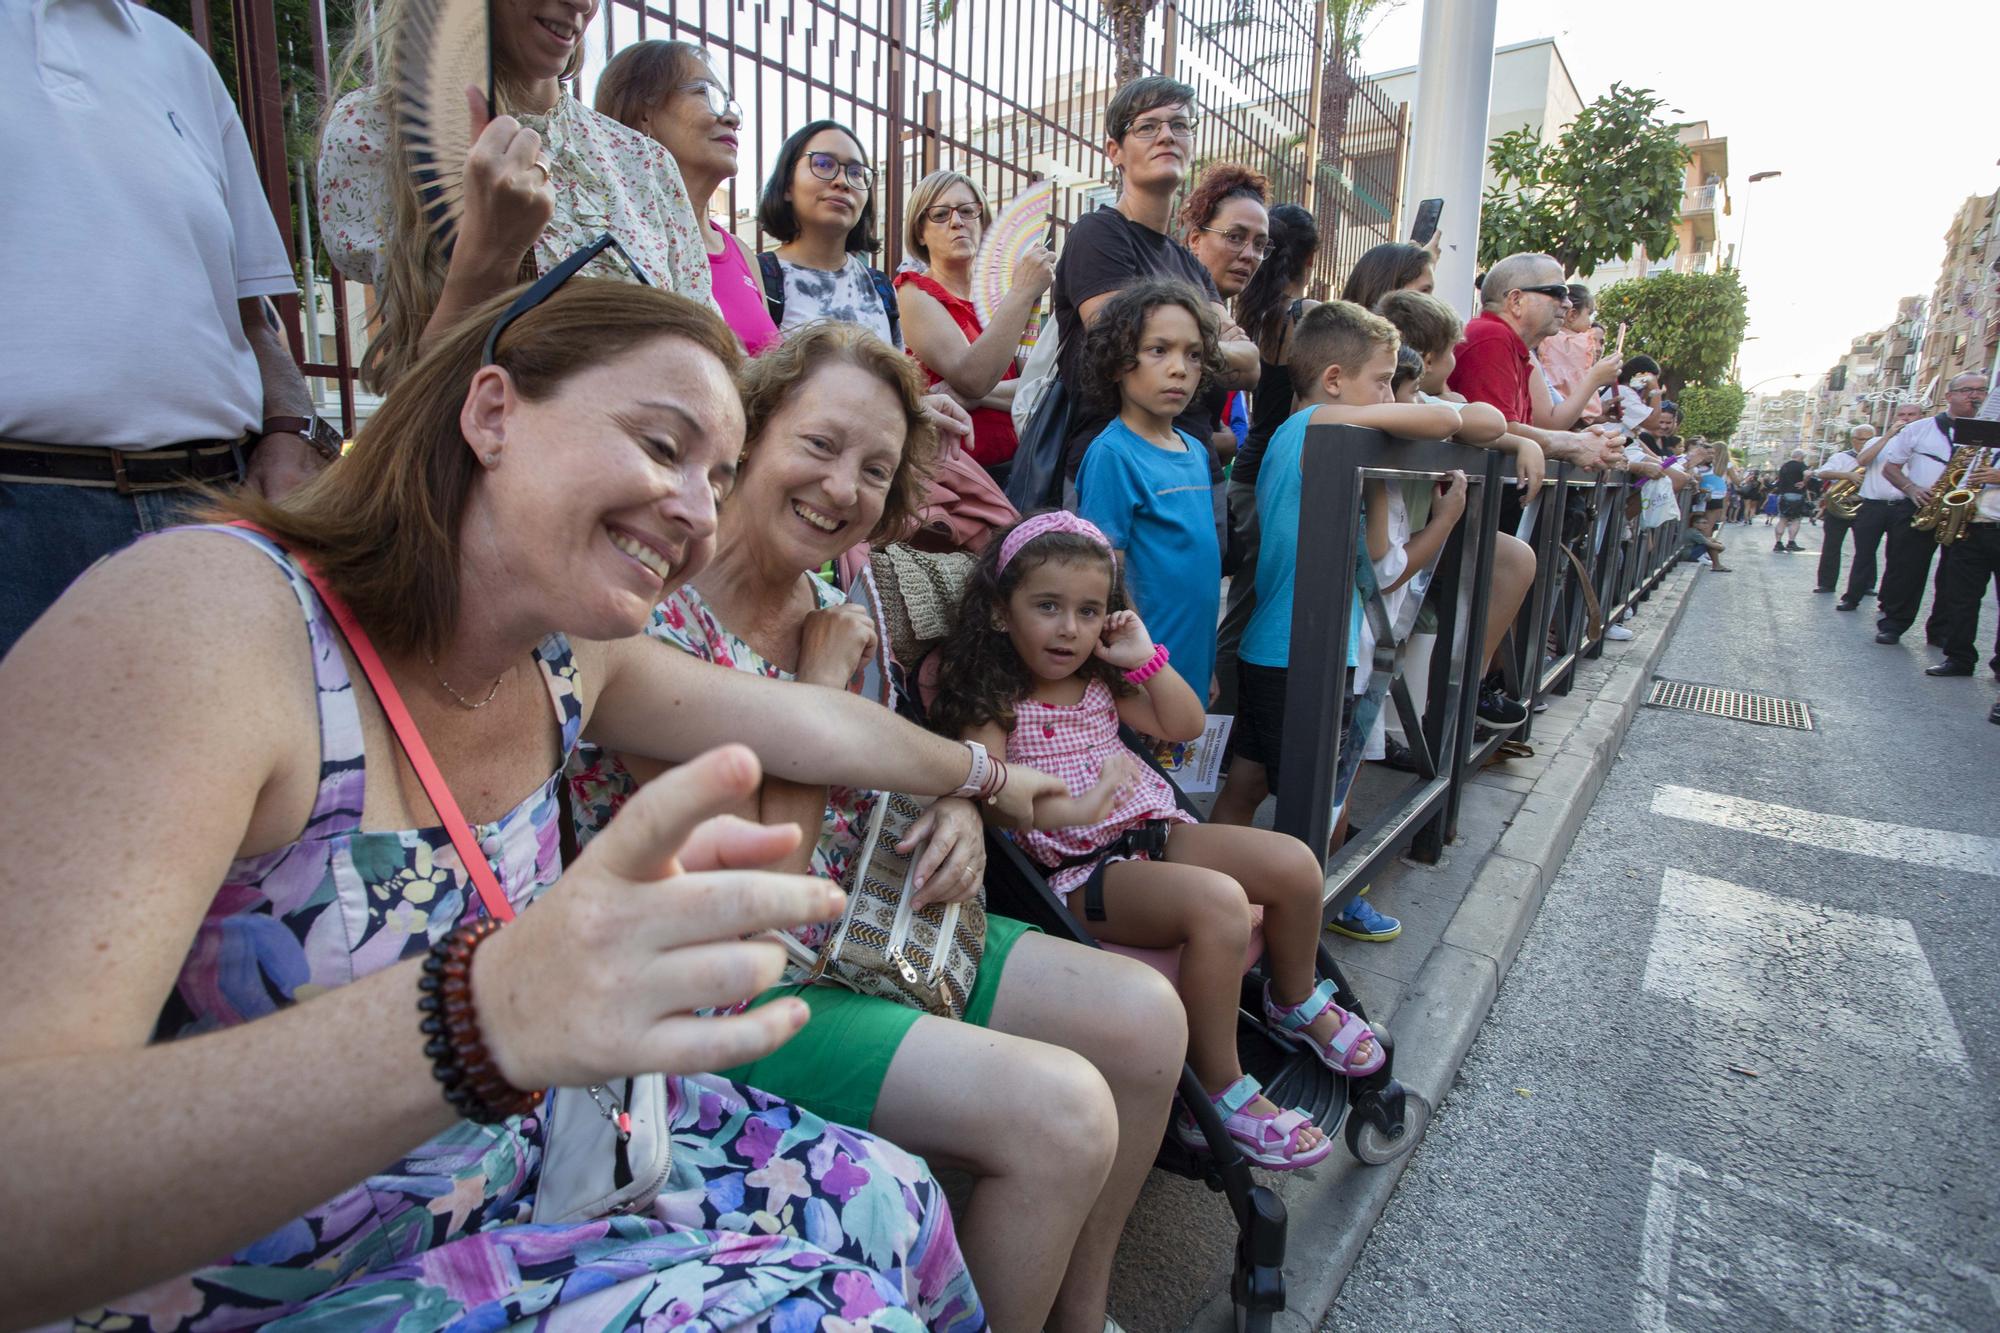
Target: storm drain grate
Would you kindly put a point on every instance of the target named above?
(1767, 709)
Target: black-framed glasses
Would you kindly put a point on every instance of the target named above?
(1555, 291)
(720, 104)
(942, 214)
(546, 285)
(1181, 127)
(1240, 238)
(828, 167)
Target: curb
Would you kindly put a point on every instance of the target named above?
(1447, 1003)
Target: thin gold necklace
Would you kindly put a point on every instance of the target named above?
(464, 702)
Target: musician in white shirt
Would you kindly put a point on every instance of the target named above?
(1912, 463)
(1972, 562)
(1879, 501)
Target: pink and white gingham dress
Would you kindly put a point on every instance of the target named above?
(1070, 742)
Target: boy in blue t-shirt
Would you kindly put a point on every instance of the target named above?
(1144, 483)
(1343, 363)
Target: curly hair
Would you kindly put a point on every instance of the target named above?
(1112, 348)
(1223, 181)
(770, 381)
(980, 675)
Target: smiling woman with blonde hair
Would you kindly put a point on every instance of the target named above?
(545, 176)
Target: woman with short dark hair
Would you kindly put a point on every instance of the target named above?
(1393, 266)
(820, 204)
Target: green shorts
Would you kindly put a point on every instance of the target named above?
(836, 1064)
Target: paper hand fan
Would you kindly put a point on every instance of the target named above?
(1021, 227)
(442, 47)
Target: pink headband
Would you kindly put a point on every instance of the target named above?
(1056, 520)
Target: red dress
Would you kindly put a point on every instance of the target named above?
(993, 438)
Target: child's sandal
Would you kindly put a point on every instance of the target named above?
(1290, 1026)
(1270, 1140)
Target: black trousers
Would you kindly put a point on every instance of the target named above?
(1829, 551)
(1871, 522)
(1904, 572)
(1966, 568)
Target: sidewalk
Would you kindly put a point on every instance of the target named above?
(1463, 920)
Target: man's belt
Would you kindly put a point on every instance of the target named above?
(127, 471)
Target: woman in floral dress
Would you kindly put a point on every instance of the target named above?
(217, 1094)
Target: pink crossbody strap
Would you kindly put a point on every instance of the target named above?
(391, 699)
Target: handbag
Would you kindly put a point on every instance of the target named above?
(884, 946)
(1037, 476)
(608, 1148)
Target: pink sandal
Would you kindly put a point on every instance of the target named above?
(1271, 1141)
(1338, 1054)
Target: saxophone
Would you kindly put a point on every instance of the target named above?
(1950, 505)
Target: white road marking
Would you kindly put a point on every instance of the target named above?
(1943, 848)
(1746, 1256)
(1813, 970)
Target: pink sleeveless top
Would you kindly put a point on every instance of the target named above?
(740, 297)
(1070, 742)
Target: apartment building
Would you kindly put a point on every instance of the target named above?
(1698, 237)
(1964, 328)
(1879, 370)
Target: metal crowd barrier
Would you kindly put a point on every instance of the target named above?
(1576, 512)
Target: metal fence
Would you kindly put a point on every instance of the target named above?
(1005, 91)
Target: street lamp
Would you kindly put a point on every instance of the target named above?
(1743, 230)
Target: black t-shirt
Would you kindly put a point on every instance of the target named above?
(1270, 404)
(1104, 252)
(1792, 476)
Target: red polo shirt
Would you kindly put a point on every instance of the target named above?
(1493, 367)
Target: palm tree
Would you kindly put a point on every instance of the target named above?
(1128, 30)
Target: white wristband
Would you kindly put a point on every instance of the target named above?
(982, 768)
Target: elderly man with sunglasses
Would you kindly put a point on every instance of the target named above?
(1524, 299)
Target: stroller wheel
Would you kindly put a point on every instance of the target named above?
(1384, 1125)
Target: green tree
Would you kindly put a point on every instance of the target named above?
(1611, 182)
(1711, 410)
(1691, 323)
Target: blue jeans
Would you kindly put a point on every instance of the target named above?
(50, 534)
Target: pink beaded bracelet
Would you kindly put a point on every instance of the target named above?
(1141, 674)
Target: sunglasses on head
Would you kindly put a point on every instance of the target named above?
(545, 287)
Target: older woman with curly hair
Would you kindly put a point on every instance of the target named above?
(1053, 1091)
(1151, 352)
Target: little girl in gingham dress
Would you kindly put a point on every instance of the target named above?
(1044, 664)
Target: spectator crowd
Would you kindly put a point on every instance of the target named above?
(647, 530)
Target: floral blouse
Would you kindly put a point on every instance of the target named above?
(600, 782)
(606, 177)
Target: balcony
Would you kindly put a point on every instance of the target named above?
(1701, 199)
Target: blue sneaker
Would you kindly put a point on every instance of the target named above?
(1362, 922)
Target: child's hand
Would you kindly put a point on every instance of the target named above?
(1451, 497)
(1124, 642)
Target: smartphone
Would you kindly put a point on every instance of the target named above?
(1426, 225)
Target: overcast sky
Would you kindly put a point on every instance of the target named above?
(1882, 117)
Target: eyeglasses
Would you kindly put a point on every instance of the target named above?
(1145, 131)
(1555, 291)
(545, 287)
(720, 104)
(1237, 238)
(828, 167)
(942, 214)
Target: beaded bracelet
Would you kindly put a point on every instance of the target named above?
(1139, 675)
(472, 1083)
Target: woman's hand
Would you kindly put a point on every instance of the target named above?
(1601, 374)
(833, 643)
(1113, 781)
(600, 978)
(953, 422)
(1014, 805)
(1124, 642)
(953, 863)
(1035, 273)
(508, 197)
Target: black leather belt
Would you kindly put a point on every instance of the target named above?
(127, 471)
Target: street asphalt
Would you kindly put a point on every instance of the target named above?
(1742, 1073)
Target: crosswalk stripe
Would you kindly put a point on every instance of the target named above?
(1942, 848)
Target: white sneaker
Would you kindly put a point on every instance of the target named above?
(1617, 633)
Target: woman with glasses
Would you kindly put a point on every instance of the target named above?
(819, 204)
(670, 93)
(1227, 224)
(545, 176)
(976, 362)
(222, 953)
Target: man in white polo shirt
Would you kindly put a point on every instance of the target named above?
(1881, 505)
(1849, 464)
(138, 352)
(1912, 463)
(1970, 564)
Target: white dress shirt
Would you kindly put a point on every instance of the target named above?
(1875, 486)
(134, 221)
(1844, 461)
(1922, 450)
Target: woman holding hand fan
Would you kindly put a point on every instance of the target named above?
(948, 217)
(514, 187)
